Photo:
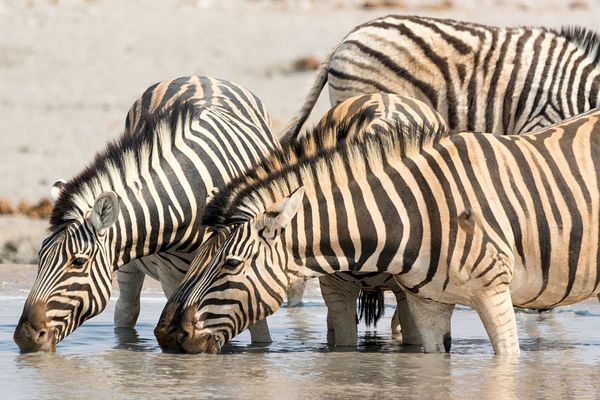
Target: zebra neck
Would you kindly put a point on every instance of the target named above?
(353, 235)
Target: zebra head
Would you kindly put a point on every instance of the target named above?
(74, 276)
(241, 282)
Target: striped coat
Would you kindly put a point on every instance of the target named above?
(437, 212)
(141, 202)
(479, 78)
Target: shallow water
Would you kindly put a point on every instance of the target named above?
(560, 358)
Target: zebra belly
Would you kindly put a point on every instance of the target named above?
(165, 266)
(528, 289)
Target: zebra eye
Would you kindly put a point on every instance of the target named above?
(232, 263)
(79, 261)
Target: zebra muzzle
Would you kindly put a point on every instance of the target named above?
(33, 332)
(191, 340)
(166, 331)
(199, 343)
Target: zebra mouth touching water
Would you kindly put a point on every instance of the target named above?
(33, 332)
(184, 335)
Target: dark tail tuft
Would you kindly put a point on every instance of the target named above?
(370, 306)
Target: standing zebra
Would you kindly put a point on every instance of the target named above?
(479, 78)
(357, 116)
(481, 220)
(351, 120)
(141, 202)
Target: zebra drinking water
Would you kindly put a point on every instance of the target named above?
(366, 114)
(481, 220)
(141, 202)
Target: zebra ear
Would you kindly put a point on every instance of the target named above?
(56, 190)
(286, 210)
(105, 211)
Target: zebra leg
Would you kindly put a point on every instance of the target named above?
(259, 332)
(340, 297)
(403, 322)
(330, 329)
(127, 310)
(498, 317)
(295, 293)
(432, 320)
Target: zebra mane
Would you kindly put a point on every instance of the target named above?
(587, 40)
(364, 151)
(118, 163)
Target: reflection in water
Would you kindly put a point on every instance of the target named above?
(560, 359)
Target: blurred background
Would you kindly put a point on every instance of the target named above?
(70, 69)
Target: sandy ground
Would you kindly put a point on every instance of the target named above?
(69, 70)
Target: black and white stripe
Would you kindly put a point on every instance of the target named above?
(479, 78)
(183, 139)
(350, 120)
(482, 220)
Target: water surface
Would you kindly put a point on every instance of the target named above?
(560, 358)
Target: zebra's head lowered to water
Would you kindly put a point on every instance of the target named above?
(242, 279)
(70, 269)
(263, 248)
(104, 217)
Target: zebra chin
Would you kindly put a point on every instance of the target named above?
(197, 343)
(176, 332)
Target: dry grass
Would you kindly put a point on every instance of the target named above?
(40, 210)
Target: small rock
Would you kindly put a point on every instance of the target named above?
(383, 3)
(41, 210)
(306, 64)
(19, 251)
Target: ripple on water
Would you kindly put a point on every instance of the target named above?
(560, 357)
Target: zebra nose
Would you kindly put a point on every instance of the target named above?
(32, 332)
(167, 327)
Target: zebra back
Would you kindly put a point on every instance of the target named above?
(479, 78)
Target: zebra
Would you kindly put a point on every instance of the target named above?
(485, 221)
(352, 119)
(368, 113)
(138, 205)
(479, 78)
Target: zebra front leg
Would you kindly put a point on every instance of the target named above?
(340, 298)
(498, 317)
(127, 310)
(433, 321)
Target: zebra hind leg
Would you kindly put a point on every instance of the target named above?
(259, 332)
(127, 310)
(340, 298)
(432, 320)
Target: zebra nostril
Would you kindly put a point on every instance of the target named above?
(182, 336)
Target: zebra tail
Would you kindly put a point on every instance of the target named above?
(371, 306)
(292, 131)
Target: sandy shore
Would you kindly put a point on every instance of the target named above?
(69, 70)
